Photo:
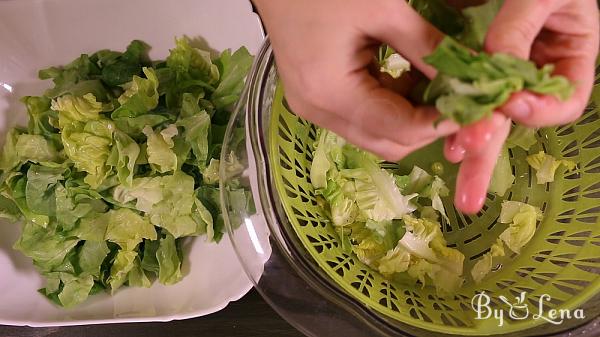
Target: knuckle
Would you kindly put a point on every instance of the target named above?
(314, 88)
(514, 37)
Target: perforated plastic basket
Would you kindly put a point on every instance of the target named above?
(562, 261)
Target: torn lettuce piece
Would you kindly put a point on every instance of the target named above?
(88, 145)
(396, 260)
(392, 63)
(484, 264)
(76, 109)
(233, 68)
(502, 177)
(127, 228)
(373, 188)
(169, 263)
(160, 148)
(424, 241)
(521, 136)
(327, 157)
(546, 166)
(124, 262)
(469, 86)
(36, 149)
(196, 63)
(140, 96)
(521, 219)
(123, 157)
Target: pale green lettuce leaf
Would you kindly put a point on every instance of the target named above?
(76, 109)
(75, 289)
(124, 262)
(123, 157)
(39, 191)
(484, 264)
(186, 59)
(546, 166)
(127, 228)
(168, 261)
(502, 177)
(140, 96)
(392, 63)
(210, 175)
(196, 126)
(521, 136)
(233, 68)
(522, 219)
(92, 228)
(35, 148)
(43, 246)
(9, 158)
(137, 277)
(88, 146)
(91, 256)
(375, 190)
(328, 149)
(396, 260)
(160, 148)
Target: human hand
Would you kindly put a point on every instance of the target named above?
(562, 32)
(323, 51)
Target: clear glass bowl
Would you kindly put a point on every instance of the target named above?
(272, 256)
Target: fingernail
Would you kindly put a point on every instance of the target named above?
(517, 108)
(457, 149)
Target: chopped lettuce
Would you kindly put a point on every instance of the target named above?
(391, 62)
(484, 264)
(546, 166)
(159, 148)
(327, 157)
(469, 86)
(373, 210)
(502, 177)
(522, 137)
(117, 165)
(521, 219)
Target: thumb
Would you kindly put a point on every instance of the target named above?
(517, 24)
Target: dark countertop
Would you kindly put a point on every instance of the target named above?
(248, 317)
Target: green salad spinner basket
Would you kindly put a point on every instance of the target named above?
(551, 286)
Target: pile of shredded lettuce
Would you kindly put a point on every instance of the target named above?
(391, 222)
(118, 164)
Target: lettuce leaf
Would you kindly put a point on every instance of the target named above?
(469, 86)
(168, 261)
(160, 148)
(484, 264)
(233, 69)
(522, 137)
(140, 96)
(328, 153)
(502, 177)
(127, 228)
(546, 166)
(521, 219)
(374, 189)
(392, 63)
